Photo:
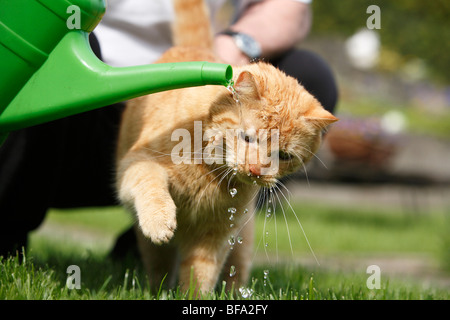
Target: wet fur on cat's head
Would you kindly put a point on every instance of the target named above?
(275, 120)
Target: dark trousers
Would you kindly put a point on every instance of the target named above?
(69, 163)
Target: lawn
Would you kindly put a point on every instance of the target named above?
(284, 269)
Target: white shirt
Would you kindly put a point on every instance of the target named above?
(137, 32)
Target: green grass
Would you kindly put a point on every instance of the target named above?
(102, 279)
(85, 237)
(334, 230)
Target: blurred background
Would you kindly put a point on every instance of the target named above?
(386, 163)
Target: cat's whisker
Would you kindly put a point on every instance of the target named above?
(315, 156)
(211, 171)
(254, 196)
(264, 227)
(198, 155)
(250, 214)
(285, 220)
(224, 172)
(229, 170)
(303, 165)
(231, 178)
(209, 156)
(280, 183)
(169, 154)
(156, 151)
(274, 207)
(258, 204)
(216, 157)
(161, 154)
(306, 174)
(222, 176)
(303, 231)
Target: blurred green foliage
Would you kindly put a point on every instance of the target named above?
(411, 28)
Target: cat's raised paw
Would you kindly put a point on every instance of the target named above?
(160, 227)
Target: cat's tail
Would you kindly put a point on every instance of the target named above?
(192, 26)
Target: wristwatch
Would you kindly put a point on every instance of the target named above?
(249, 46)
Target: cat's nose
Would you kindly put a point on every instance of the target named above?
(254, 169)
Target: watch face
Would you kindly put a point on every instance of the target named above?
(248, 45)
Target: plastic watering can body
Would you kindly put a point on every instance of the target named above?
(48, 71)
(29, 31)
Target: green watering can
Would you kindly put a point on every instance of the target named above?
(48, 70)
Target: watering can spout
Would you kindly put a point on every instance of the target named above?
(74, 80)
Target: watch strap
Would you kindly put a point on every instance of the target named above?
(246, 50)
(229, 32)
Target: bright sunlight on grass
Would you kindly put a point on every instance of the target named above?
(85, 237)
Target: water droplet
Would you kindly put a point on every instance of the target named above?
(231, 217)
(231, 225)
(254, 182)
(266, 244)
(266, 276)
(232, 210)
(239, 240)
(231, 242)
(233, 192)
(246, 292)
(232, 271)
(232, 90)
(245, 210)
(268, 212)
(270, 200)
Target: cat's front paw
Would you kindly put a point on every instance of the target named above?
(159, 226)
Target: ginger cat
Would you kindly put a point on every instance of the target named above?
(183, 205)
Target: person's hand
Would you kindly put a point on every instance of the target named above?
(226, 50)
(277, 25)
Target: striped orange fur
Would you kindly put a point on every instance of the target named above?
(183, 221)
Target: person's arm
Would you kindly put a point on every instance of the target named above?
(276, 24)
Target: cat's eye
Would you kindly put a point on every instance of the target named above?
(284, 156)
(247, 138)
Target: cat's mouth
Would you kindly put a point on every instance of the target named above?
(249, 178)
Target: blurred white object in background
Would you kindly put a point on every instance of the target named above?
(363, 49)
(393, 122)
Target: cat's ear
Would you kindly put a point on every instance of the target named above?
(320, 117)
(246, 85)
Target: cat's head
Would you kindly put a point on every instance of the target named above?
(273, 129)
